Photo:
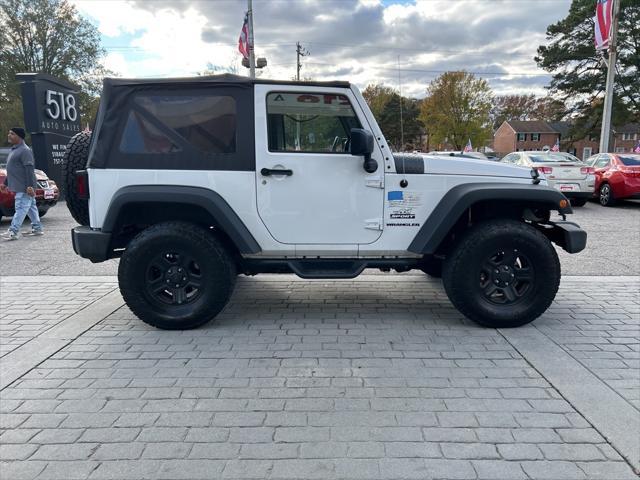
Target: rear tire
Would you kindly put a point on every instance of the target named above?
(502, 273)
(176, 276)
(605, 195)
(578, 202)
(75, 158)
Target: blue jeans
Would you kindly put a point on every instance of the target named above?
(25, 205)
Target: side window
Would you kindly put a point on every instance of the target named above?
(509, 158)
(309, 122)
(520, 160)
(206, 122)
(602, 162)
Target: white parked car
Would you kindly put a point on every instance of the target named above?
(574, 178)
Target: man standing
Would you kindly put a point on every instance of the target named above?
(21, 179)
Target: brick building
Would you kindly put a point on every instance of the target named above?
(582, 148)
(517, 135)
(625, 138)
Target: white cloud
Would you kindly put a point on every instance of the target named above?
(356, 40)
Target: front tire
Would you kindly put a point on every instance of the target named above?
(176, 276)
(502, 273)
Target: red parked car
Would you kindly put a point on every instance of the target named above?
(617, 176)
(47, 193)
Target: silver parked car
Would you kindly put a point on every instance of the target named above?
(574, 178)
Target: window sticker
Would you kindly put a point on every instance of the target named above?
(399, 199)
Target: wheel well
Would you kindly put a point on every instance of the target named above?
(493, 209)
(137, 216)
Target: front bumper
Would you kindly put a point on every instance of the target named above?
(567, 235)
(91, 244)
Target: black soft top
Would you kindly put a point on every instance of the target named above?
(116, 101)
(226, 78)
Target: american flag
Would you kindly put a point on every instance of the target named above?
(556, 147)
(468, 147)
(243, 41)
(603, 20)
(637, 149)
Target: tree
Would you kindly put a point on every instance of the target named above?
(384, 103)
(512, 107)
(526, 107)
(47, 36)
(579, 73)
(457, 109)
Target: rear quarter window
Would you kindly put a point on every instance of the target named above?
(630, 160)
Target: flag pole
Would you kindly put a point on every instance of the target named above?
(252, 58)
(611, 75)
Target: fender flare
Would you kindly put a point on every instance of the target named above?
(461, 197)
(225, 217)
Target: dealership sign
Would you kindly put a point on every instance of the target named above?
(51, 116)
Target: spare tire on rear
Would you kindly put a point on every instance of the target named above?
(75, 158)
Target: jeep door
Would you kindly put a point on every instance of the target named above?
(310, 189)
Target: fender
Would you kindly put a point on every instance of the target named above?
(225, 218)
(461, 197)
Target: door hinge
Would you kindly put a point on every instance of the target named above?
(373, 224)
(375, 182)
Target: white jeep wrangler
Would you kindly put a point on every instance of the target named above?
(194, 181)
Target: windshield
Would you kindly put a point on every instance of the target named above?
(630, 160)
(552, 157)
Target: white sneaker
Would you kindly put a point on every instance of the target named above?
(10, 235)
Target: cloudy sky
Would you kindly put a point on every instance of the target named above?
(393, 42)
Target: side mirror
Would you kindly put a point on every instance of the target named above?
(362, 144)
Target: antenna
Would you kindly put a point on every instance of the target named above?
(401, 122)
(300, 52)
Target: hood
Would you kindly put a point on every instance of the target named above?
(442, 165)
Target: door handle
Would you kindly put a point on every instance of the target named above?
(267, 172)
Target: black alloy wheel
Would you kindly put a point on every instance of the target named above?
(174, 278)
(506, 276)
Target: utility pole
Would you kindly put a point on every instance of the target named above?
(252, 57)
(611, 75)
(400, 95)
(300, 52)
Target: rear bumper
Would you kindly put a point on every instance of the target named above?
(574, 188)
(91, 244)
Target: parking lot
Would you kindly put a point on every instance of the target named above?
(377, 377)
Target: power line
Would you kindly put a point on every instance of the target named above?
(416, 70)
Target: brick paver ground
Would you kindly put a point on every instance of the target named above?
(372, 378)
(29, 308)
